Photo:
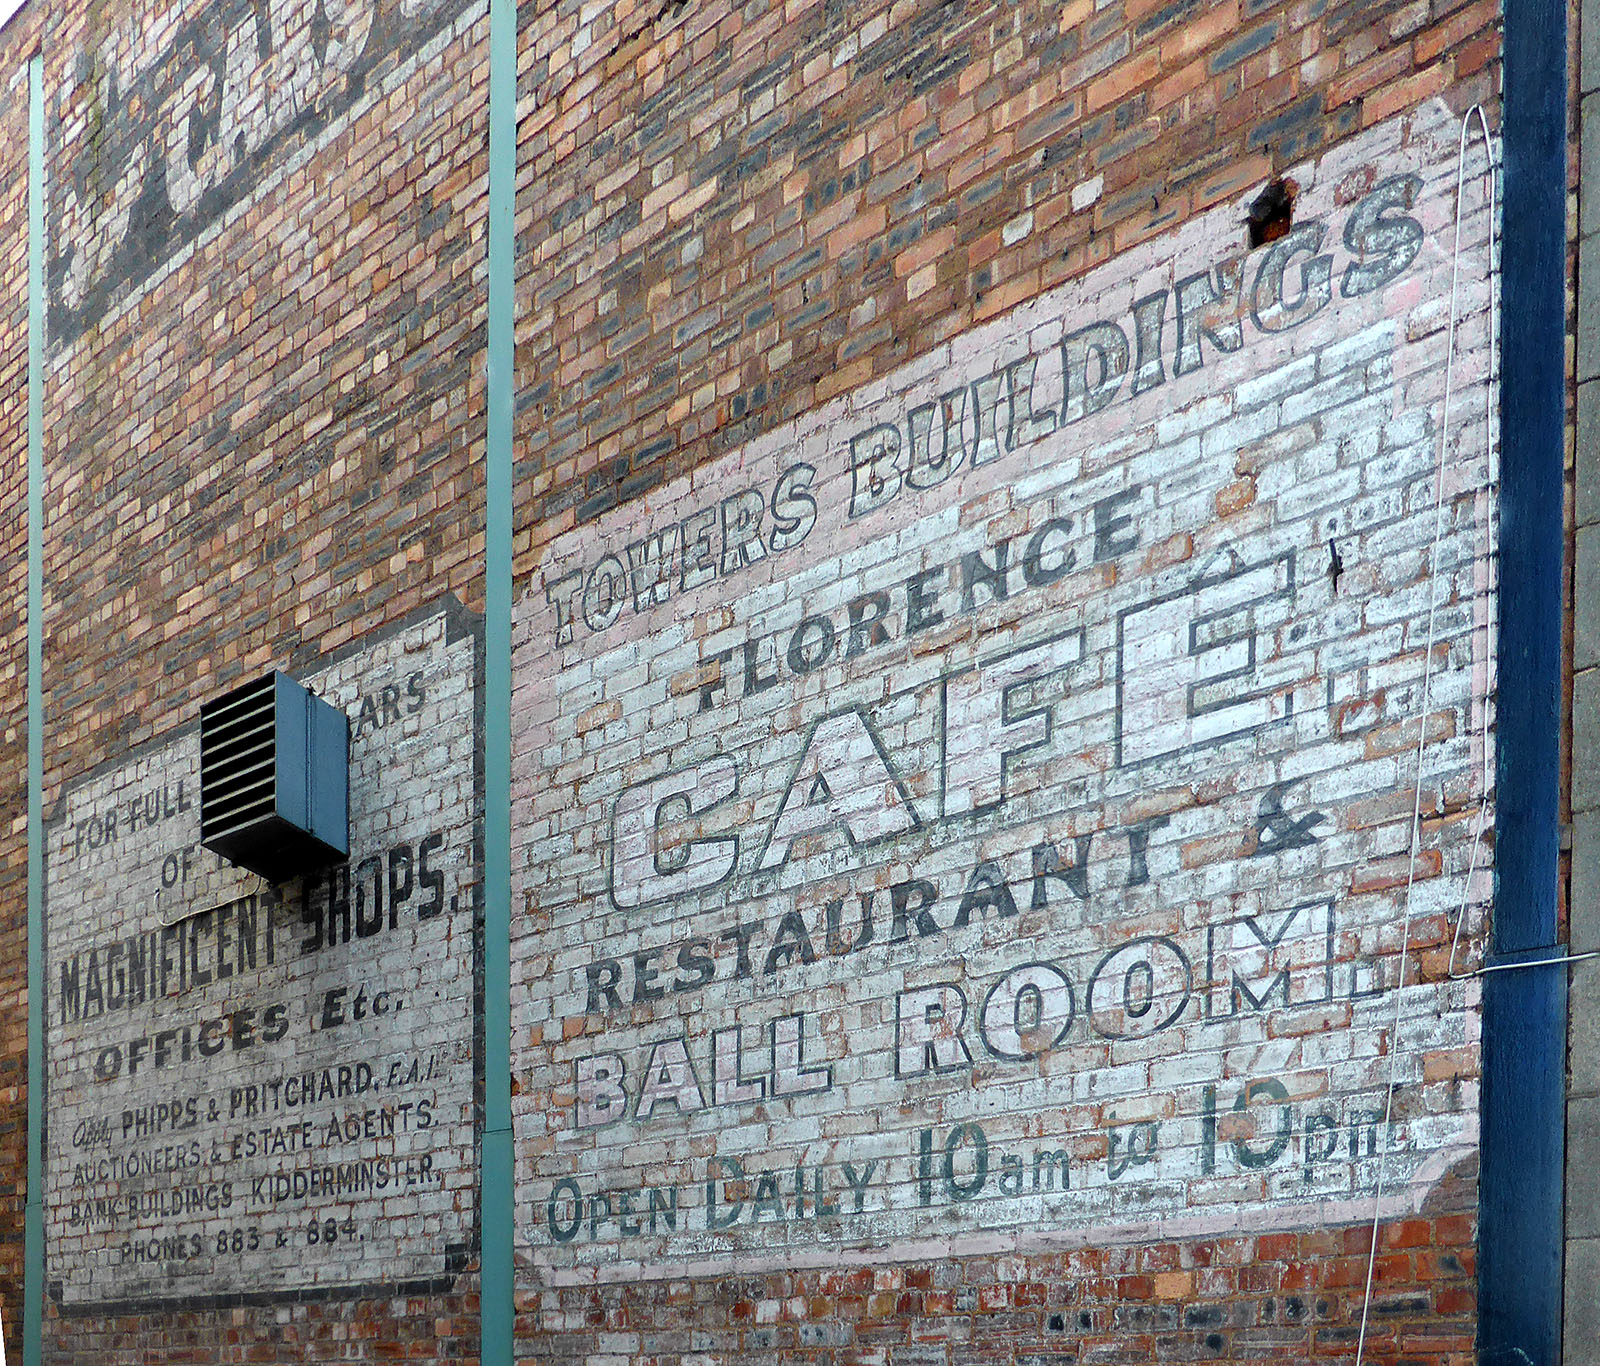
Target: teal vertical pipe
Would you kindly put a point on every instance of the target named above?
(497, 1193)
(33, 1210)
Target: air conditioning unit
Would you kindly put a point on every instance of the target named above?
(275, 779)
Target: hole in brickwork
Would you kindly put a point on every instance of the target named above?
(1271, 212)
(1057, 1324)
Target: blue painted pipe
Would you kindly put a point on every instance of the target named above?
(1524, 1013)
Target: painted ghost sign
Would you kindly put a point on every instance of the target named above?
(973, 816)
(264, 1090)
(183, 120)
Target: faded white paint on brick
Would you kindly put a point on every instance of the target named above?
(289, 1113)
(188, 107)
(880, 901)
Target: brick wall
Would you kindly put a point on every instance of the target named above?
(290, 375)
(751, 240)
(733, 213)
(974, 818)
(13, 664)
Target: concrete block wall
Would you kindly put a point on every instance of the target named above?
(1581, 1341)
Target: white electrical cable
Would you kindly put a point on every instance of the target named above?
(1488, 425)
(1488, 422)
(1427, 670)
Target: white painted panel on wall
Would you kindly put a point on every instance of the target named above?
(974, 816)
(257, 1090)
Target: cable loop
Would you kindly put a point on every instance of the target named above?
(1427, 673)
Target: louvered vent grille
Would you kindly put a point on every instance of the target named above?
(274, 778)
(238, 760)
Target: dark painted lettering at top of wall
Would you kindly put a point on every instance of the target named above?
(182, 124)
